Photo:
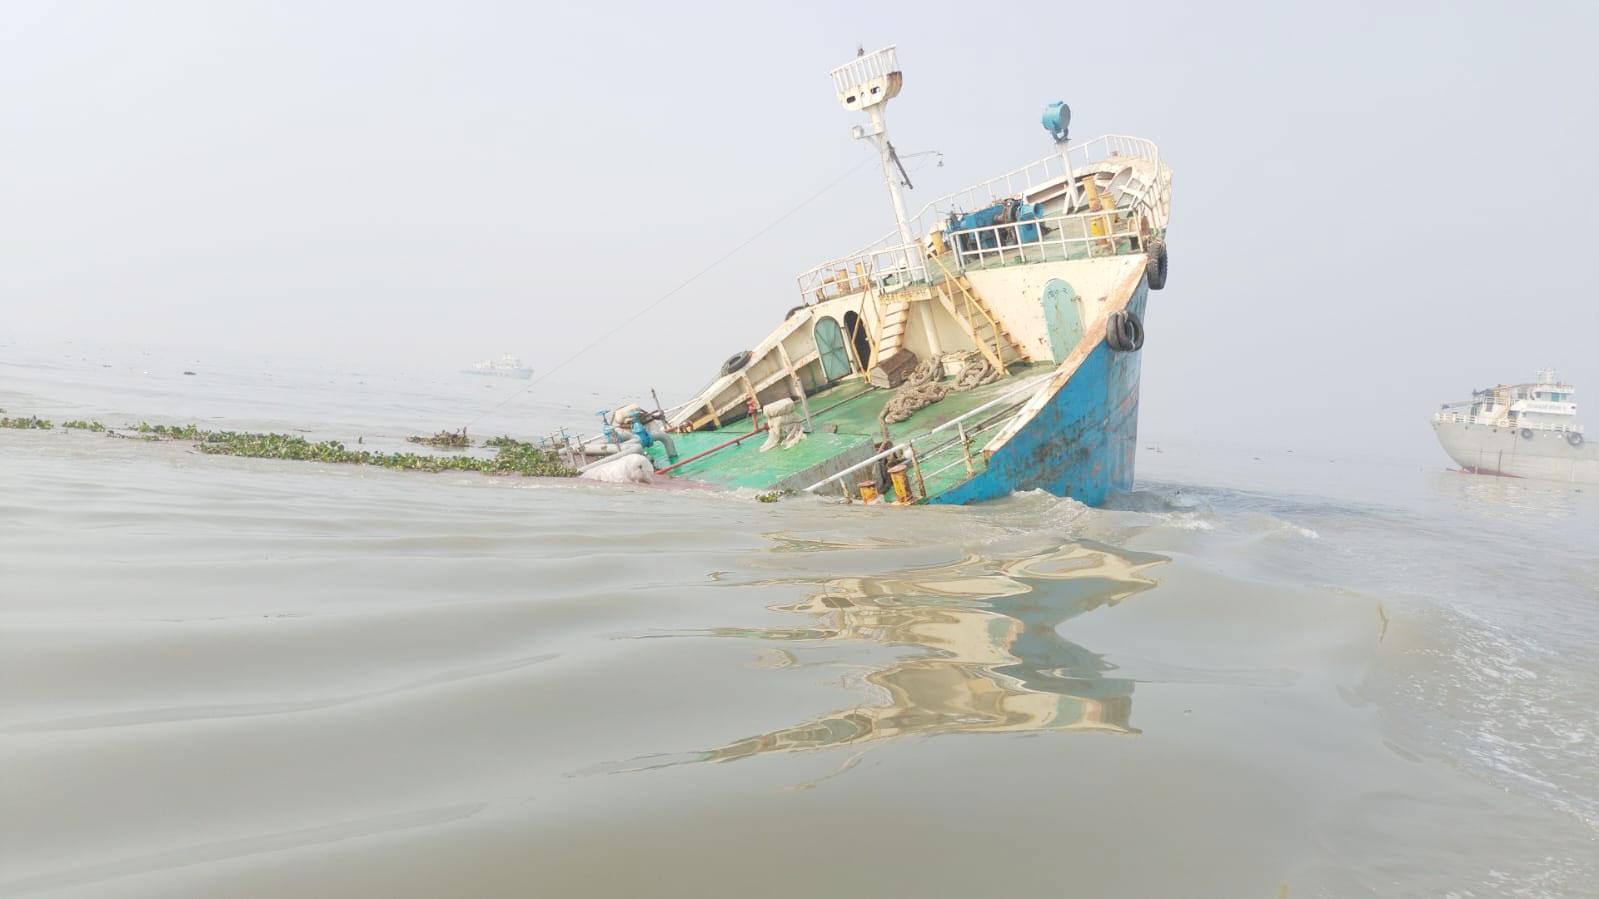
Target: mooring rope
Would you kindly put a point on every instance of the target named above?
(923, 389)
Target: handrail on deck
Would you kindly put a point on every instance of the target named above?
(1097, 233)
(1026, 387)
(1467, 418)
(891, 249)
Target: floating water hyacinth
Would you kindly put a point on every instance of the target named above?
(172, 432)
(511, 457)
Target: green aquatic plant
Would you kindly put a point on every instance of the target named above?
(170, 432)
(516, 458)
(511, 457)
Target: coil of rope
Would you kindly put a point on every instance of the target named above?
(922, 388)
(976, 371)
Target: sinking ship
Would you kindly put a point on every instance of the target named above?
(1521, 431)
(989, 344)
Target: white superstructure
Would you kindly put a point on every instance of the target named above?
(507, 366)
(1519, 430)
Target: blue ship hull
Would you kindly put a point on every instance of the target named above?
(1081, 444)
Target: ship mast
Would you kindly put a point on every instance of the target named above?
(866, 84)
(891, 169)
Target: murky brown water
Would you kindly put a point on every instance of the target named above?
(239, 677)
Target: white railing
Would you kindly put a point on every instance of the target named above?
(1082, 235)
(882, 269)
(1079, 236)
(1045, 171)
(888, 260)
(1466, 418)
(950, 439)
(864, 68)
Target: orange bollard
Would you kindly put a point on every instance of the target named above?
(902, 487)
(868, 491)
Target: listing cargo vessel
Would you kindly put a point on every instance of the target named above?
(1521, 431)
(989, 344)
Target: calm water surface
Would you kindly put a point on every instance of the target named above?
(1291, 675)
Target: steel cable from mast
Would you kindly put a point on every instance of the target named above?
(673, 292)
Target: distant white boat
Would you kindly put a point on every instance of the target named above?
(507, 366)
(1519, 431)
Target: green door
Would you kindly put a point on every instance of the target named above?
(830, 345)
(1063, 318)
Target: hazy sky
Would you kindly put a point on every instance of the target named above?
(1377, 206)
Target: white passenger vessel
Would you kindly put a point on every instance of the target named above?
(507, 366)
(1520, 431)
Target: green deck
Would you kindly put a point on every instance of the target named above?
(844, 428)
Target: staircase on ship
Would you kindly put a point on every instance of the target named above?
(955, 295)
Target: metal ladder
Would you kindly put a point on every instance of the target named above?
(961, 300)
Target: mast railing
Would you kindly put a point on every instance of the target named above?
(862, 69)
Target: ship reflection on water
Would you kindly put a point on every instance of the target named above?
(986, 656)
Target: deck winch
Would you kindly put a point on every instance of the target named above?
(1005, 212)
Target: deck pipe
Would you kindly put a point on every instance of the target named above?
(759, 428)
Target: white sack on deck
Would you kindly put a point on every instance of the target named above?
(630, 469)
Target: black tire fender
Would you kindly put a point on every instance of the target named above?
(1574, 438)
(736, 362)
(1124, 333)
(1157, 266)
(1526, 433)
